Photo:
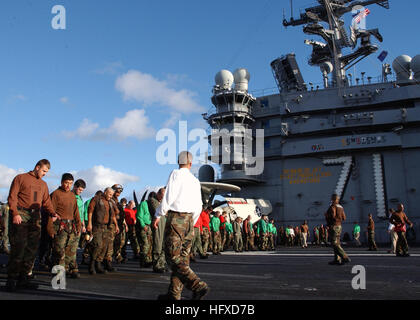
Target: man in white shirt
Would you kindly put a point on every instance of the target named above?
(182, 206)
(393, 235)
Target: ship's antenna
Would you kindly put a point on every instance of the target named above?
(333, 27)
(291, 8)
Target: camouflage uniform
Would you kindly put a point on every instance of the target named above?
(145, 236)
(4, 213)
(262, 229)
(196, 246)
(100, 227)
(217, 240)
(339, 252)
(237, 244)
(205, 238)
(159, 261)
(131, 235)
(99, 241)
(158, 254)
(24, 241)
(178, 239)
(252, 237)
(64, 248)
(120, 238)
(334, 217)
(109, 237)
(119, 242)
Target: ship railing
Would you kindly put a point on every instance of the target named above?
(320, 85)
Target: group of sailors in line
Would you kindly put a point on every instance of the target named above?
(55, 226)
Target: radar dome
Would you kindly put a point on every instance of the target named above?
(224, 79)
(402, 67)
(206, 173)
(241, 77)
(326, 67)
(415, 66)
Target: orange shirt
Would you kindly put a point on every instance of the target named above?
(29, 192)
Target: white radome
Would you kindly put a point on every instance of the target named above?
(224, 79)
(415, 65)
(241, 77)
(402, 65)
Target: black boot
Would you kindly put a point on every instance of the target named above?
(99, 268)
(108, 266)
(92, 267)
(11, 285)
(85, 261)
(24, 282)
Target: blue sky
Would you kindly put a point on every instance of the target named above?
(77, 96)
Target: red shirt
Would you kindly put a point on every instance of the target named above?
(222, 222)
(205, 220)
(130, 216)
(198, 223)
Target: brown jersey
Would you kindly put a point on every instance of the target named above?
(335, 215)
(29, 193)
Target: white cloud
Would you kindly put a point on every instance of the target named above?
(134, 124)
(64, 100)
(100, 177)
(172, 121)
(20, 97)
(17, 98)
(85, 130)
(144, 88)
(110, 68)
(7, 175)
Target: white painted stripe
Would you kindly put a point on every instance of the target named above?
(350, 254)
(265, 276)
(74, 291)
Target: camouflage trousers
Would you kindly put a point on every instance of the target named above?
(339, 252)
(246, 241)
(237, 242)
(205, 238)
(5, 228)
(223, 235)
(263, 242)
(146, 244)
(402, 245)
(85, 245)
(64, 246)
(158, 254)
(132, 236)
(109, 238)
(252, 242)
(24, 241)
(119, 243)
(196, 244)
(217, 241)
(229, 240)
(371, 240)
(270, 244)
(99, 242)
(179, 233)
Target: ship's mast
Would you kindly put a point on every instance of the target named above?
(329, 55)
(337, 53)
